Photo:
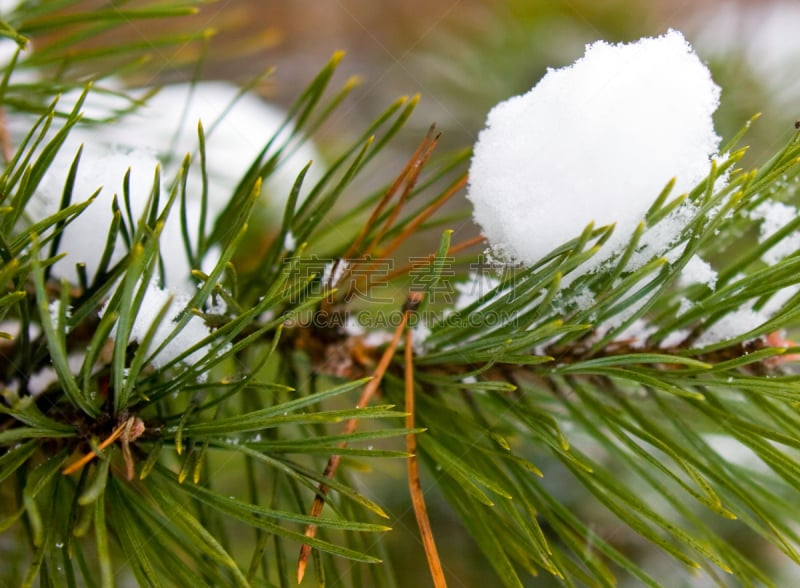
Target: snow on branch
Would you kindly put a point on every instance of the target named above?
(596, 141)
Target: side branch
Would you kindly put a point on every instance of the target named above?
(414, 484)
(333, 463)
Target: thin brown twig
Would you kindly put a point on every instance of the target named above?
(424, 215)
(408, 177)
(115, 434)
(364, 271)
(458, 247)
(411, 164)
(427, 147)
(333, 462)
(5, 139)
(414, 484)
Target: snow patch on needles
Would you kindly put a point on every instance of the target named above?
(774, 216)
(100, 170)
(698, 271)
(732, 325)
(8, 6)
(237, 126)
(594, 142)
(193, 332)
(477, 285)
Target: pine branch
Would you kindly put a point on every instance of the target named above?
(575, 413)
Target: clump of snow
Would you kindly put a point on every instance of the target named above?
(635, 334)
(698, 271)
(333, 272)
(40, 381)
(658, 239)
(237, 127)
(779, 299)
(8, 6)
(684, 306)
(732, 325)
(55, 310)
(419, 337)
(289, 242)
(675, 338)
(581, 299)
(595, 141)
(746, 318)
(632, 307)
(9, 47)
(774, 216)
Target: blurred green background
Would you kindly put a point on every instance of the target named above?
(463, 56)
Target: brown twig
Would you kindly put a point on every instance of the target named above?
(333, 462)
(423, 154)
(414, 162)
(129, 430)
(424, 215)
(414, 484)
(408, 179)
(6, 149)
(408, 230)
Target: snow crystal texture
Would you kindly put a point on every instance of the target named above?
(593, 142)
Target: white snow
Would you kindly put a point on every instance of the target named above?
(333, 272)
(85, 237)
(8, 6)
(635, 334)
(7, 50)
(675, 338)
(55, 310)
(732, 325)
(779, 299)
(774, 216)
(662, 239)
(236, 127)
(45, 377)
(419, 337)
(289, 242)
(162, 132)
(698, 271)
(9, 47)
(155, 298)
(478, 284)
(595, 141)
(160, 135)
